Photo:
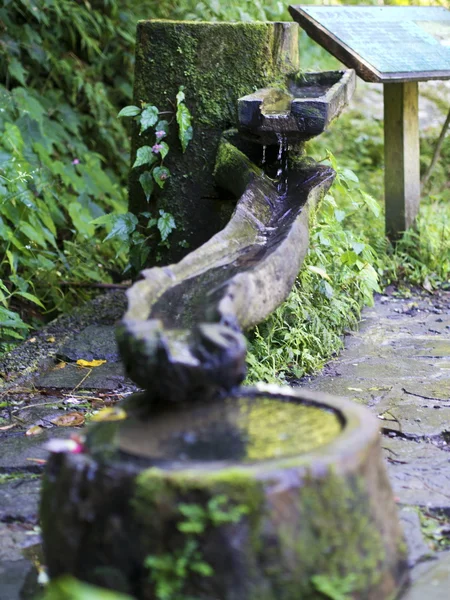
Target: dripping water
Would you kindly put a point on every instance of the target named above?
(282, 159)
(263, 160)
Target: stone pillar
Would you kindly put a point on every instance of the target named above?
(217, 63)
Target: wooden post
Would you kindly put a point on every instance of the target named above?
(401, 156)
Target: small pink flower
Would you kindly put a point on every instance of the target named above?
(76, 161)
(157, 148)
(160, 134)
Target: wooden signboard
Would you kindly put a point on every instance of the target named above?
(383, 43)
(397, 46)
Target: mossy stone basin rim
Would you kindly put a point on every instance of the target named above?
(264, 424)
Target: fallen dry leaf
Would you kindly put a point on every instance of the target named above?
(6, 427)
(60, 365)
(51, 339)
(39, 461)
(34, 430)
(32, 340)
(74, 419)
(90, 363)
(112, 413)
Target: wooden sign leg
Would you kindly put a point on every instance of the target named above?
(401, 156)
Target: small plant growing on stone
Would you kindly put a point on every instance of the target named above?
(170, 572)
(152, 157)
(127, 227)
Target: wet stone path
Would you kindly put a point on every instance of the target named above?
(397, 363)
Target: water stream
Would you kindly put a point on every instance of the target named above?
(282, 159)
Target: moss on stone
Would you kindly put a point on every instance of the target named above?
(335, 537)
(217, 63)
(233, 170)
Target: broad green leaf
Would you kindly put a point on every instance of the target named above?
(30, 297)
(185, 131)
(81, 218)
(104, 219)
(349, 175)
(160, 175)
(358, 247)
(371, 204)
(166, 224)
(8, 318)
(164, 149)
(145, 156)
(149, 117)
(33, 234)
(129, 111)
(349, 258)
(146, 181)
(69, 588)
(319, 271)
(17, 71)
(180, 96)
(12, 138)
(339, 215)
(123, 227)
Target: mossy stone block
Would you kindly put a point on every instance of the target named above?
(217, 63)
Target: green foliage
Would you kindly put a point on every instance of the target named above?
(170, 572)
(62, 73)
(69, 588)
(216, 10)
(337, 280)
(335, 588)
(435, 528)
(137, 236)
(153, 157)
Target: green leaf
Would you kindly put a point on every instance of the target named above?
(166, 224)
(30, 297)
(104, 219)
(162, 126)
(69, 588)
(180, 96)
(185, 132)
(349, 258)
(146, 181)
(123, 227)
(32, 234)
(319, 271)
(160, 175)
(17, 71)
(164, 149)
(149, 117)
(371, 204)
(202, 568)
(81, 218)
(8, 318)
(129, 111)
(144, 156)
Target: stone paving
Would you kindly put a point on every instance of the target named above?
(398, 364)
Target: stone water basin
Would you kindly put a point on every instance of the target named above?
(279, 491)
(301, 111)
